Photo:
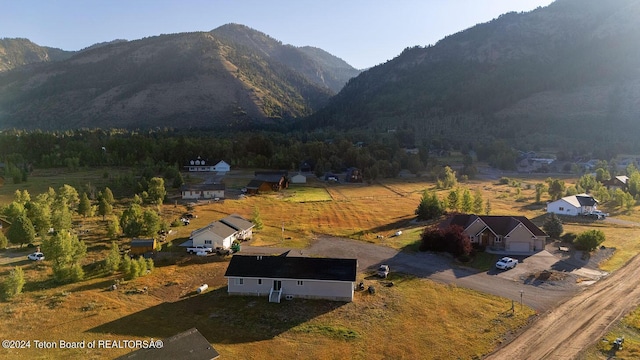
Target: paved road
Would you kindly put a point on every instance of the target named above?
(537, 295)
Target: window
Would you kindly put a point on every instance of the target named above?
(240, 281)
(300, 282)
(208, 242)
(498, 239)
(259, 281)
(561, 208)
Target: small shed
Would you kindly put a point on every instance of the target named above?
(299, 179)
(142, 246)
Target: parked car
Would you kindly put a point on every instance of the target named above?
(506, 263)
(383, 271)
(36, 256)
(198, 248)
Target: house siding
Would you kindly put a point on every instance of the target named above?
(562, 207)
(216, 241)
(310, 289)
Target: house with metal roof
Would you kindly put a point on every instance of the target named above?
(243, 227)
(513, 234)
(278, 277)
(573, 205)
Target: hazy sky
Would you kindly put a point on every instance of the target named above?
(363, 33)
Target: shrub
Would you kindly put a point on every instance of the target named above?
(13, 284)
(589, 240)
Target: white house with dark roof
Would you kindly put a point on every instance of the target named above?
(203, 165)
(573, 205)
(243, 227)
(291, 277)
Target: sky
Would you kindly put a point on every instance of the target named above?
(364, 33)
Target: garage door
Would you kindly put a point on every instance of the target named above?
(519, 246)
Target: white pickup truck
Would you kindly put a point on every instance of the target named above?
(199, 248)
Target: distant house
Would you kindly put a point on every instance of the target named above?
(298, 179)
(513, 234)
(190, 344)
(222, 233)
(265, 181)
(202, 165)
(573, 205)
(617, 182)
(203, 191)
(143, 247)
(354, 175)
(291, 277)
(307, 166)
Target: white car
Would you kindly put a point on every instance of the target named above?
(506, 263)
(36, 256)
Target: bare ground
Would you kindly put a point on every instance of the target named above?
(574, 325)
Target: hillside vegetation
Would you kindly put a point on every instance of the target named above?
(202, 79)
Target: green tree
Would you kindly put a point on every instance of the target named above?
(487, 207)
(104, 208)
(553, 226)
(540, 189)
(113, 228)
(151, 222)
(448, 179)
(454, 200)
(178, 181)
(466, 205)
(555, 188)
(587, 182)
(84, 206)
(21, 231)
(132, 220)
(430, 207)
(477, 202)
(256, 219)
(67, 196)
(13, 283)
(113, 259)
(66, 253)
(602, 174)
(107, 195)
(61, 218)
(589, 240)
(157, 191)
(633, 183)
(40, 215)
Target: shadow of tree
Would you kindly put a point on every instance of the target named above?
(227, 319)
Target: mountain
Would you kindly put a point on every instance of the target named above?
(18, 52)
(315, 64)
(565, 73)
(233, 76)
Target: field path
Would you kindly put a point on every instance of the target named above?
(573, 326)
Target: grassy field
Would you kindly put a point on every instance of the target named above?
(413, 318)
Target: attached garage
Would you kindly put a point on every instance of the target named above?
(519, 247)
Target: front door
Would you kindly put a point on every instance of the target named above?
(277, 285)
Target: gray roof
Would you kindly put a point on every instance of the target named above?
(221, 229)
(142, 242)
(237, 222)
(189, 345)
(283, 267)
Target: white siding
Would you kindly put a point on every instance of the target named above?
(562, 207)
(310, 289)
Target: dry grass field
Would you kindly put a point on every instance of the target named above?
(416, 318)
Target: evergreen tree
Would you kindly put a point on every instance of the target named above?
(256, 219)
(430, 207)
(104, 208)
(107, 195)
(487, 207)
(540, 189)
(454, 200)
(21, 231)
(112, 262)
(4, 242)
(477, 202)
(466, 205)
(84, 206)
(13, 283)
(553, 226)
